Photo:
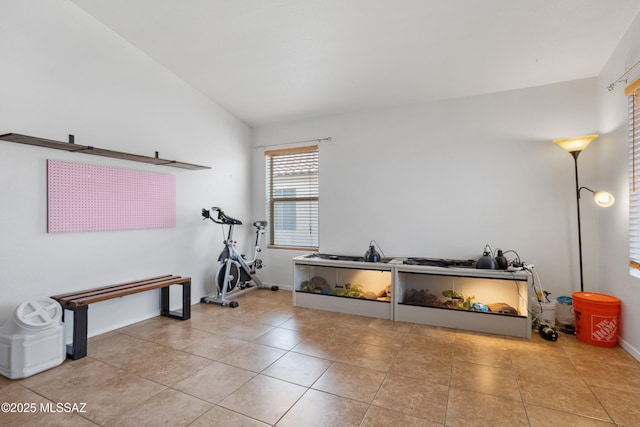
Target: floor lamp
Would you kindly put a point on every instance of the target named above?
(574, 146)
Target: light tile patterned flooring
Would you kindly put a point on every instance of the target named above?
(267, 363)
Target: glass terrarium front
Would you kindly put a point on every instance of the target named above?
(373, 285)
(485, 295)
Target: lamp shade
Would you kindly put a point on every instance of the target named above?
(604, 198)
(577, 143)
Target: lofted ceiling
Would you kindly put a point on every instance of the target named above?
(272, 61)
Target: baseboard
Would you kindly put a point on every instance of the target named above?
(283, 287)
(629, 349)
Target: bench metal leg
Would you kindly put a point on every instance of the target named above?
(78, 347)
(185, 313)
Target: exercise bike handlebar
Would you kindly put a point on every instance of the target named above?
(221, 217)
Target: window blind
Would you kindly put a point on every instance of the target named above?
(633, 92)
(292, 197)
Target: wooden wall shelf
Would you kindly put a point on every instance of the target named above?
(71, 146)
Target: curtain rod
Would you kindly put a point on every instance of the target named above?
(318, 140)
(623, 78)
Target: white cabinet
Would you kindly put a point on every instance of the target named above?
(464, 298)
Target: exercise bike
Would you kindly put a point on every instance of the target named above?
(235, 273)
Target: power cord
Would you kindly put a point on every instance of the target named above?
(516, 261)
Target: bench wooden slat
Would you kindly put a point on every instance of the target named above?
(67, 298)
(78, 302)
(121, 291)
(112, 290)
(70, 295)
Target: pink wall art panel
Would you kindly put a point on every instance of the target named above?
(85, 197)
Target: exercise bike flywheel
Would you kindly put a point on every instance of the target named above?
(234, 277)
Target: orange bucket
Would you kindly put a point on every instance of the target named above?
(596, 318)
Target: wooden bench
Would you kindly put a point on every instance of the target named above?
(79, 301)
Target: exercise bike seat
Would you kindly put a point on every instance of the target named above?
(260, 225)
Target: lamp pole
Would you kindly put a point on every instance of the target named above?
(574, 146)
(575, 155)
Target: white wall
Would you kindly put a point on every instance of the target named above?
(615, 277)
(64, 73)
(444, 179)
(435, 180)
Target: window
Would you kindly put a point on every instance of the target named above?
(633, 92)
(284, 214)
(292, 197)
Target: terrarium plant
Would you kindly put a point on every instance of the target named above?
(349, 290)
(466, 303)
(452, 294)
(307, 286)
(457, 300)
